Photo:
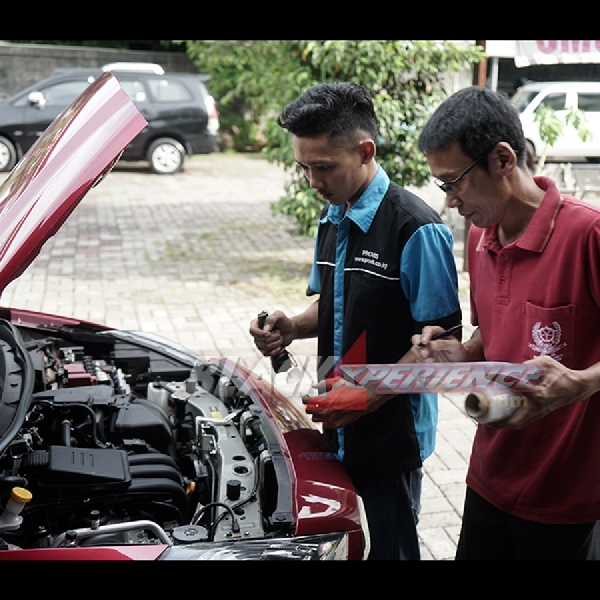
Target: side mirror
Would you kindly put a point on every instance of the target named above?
(37, 99)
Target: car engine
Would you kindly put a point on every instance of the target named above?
(119, 431)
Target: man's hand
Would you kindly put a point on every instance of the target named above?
(340, 403)
(280, 331)
(275, 335)
(445, 349)
(559, 387)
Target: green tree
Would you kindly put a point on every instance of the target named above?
(551, 127)
(404, 77)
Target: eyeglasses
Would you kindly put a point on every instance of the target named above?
(446, 186)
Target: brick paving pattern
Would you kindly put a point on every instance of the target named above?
(194, 257)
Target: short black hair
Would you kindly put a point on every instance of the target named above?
(477, 118)
(337, 109)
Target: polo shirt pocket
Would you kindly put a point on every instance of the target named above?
(550, 331)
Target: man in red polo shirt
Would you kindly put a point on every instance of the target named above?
(533, 483)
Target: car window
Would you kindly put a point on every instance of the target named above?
(62, 94)
(168, 90)
(135, 89)
(522, 99)
(554, 101)
(589, 102)
(58, 94)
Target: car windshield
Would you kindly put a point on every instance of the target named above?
(522, 99)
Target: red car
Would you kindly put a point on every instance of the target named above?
(123, 445)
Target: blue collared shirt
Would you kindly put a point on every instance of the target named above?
(415, 273)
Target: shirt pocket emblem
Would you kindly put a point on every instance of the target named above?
(551, 330)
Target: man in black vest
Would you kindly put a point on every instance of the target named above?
(384, 268)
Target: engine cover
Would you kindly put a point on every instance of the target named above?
(95, 468)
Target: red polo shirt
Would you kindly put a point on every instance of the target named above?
(541, 295)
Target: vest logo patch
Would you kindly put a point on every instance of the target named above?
(547, 340)
(368, 257)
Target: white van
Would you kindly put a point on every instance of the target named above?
(561, 96)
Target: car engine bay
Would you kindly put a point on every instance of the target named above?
(120, 440)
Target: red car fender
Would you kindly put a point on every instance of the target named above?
(325, 500)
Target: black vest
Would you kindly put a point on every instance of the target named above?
(383, 441)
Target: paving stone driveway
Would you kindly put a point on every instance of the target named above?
(195, 257)
(192, 256)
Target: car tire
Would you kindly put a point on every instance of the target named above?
(8, 154)
(166, 156)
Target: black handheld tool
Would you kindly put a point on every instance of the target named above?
(280, 362)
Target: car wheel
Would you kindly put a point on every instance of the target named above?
(8, 155)
(166, 156)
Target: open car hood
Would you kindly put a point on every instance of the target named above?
(121, 444)
(76, 151)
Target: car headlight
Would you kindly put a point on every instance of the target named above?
(332, 546)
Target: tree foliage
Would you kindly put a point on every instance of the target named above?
(259, 77)
(551, 127)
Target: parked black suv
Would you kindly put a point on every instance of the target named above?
(181, 114)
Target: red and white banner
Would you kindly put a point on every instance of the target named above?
(552, 52)
(486, 378)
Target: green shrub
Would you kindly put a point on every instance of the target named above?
(403, 76)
